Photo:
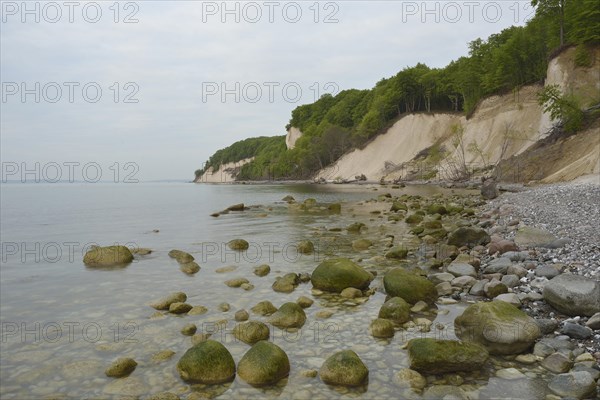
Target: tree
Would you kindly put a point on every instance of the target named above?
(561, 107)
(556, 7)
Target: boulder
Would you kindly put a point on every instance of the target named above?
(208, 362)
(381, 328)
(337, 274)
(411, 287)
(305, 247)
(533, 237)
(108, 256)
(578, 385)
(262, 270)
(181, 256)
(397, 253)
(432, 356)
(264, 364)
(264, 308)
(165, 302)
(573, 295)
(489, 189)
(121, 367)
(251, 332)
(499, 326)
(238, 244)
(289, 315)
(467, 236)
(396, 310)
(344, 368)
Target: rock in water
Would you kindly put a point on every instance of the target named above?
(382, 328)
(264, 308)
(337, 274)
(236, 207)
(251, 332)
(238, 244)
(264, 364)
(499, 326)
(395, 309)
(573, 295)
(289, 315)
(262, 270)
(164, 303)
(181, 256)
(306, 247)
(121, 367)
(465, 236)
(208, 362)
(107, 256)
(189, 268)
(432, 356)
(344, 368)
(411, 287)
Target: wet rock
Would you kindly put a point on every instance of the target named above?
(289, 199)
(264, 364)
(335, 208)
(398, 206)
(499, 326)
(189, 329)
(236, 207)
(199, 338)
(594, 322)
(108, 256)
(516, 389)
(121, 367)
(411, 287)
(238, 244)
(510, 373)
(361, 244)
(351, 293)
(287, 283)
(224, 307)
(495, 288)
(547, 271)
(413, 219)
(356, 227)
(309, 373)
(324, 314)
(337, 274)
(228, 268)
(208, 362)
(408, 378)
(577, 385)
(381, 328)
(241, 315)
(510, 280)
(397, 253)
(236, 282)
(179, 308)
(446, 392)
(344, 368)
(304, 302)
(557, 363)
(444, 289)
(163, 396)
(141, 251)
(543, 350)
(164, 303)
(198, 310)
(463, 282)
(264, 308)
(396, 310)
(440, 277)
(576, 331)
(251, 332)
(478, 288)
(461, 269)
(181, 256)
(432, 356)
(305, 247)
(262, 270)
(489, 190)
(189, 268)
(502, 246)
(162, 355)
(289, 315)
(497, 266)
(573, 295)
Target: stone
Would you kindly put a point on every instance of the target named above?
(304, 302)
(361, 244)
(356, 227)
(251, 332)
(466, 236)
(445, 392)
(396, 310)
(189, 329)
(478, 288)
(262, 270)
(408, 378)
(576, 331)
(463, 281)
(121, 367)
(163, 396)
(557, 363)
(305, 247)
(495, 288)
(502, 246)
(510, 373)
(573, 295)
(179, 308)
(510, 298)
(594, 322)
(164, 303)
(497, 266)
(109, 256)
(510, 280)
(224, 307)
(181, 256)
(286, 283)
(413, 219)
(236, 282)
(337, 274)
(351, 293)
(289, 315)
(198, 310)
(398, 206)
(381, 328)
(577, 385)
(344, 368)
(533, 237)
(432, 356)
(526, 359)
(162, 355)
(189, 268)
(515, 389)
(241, 315)
(411, 287)
(238, 244)
(264, 308)
(461, 269)
(499, 326)
(489, 190)
(444, 289)
(264, 364)
(547, 271)
(199, 338)
(440, 277)
(397, 253)
(236, 207)
(208, 362)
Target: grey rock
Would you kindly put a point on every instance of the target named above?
(516, 255)
(557, 363)
(462, 269)
(489, 189)
(546, 325)
(542, 349)
(478, 289)
(573, 295)
(577, 385)
(510, 298)
(440, 277)
(547, 271)
(530, 389)
(498, 266)
(576, 331)
(594, 322)
(510, 280)
(593, 372)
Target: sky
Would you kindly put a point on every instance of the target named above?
(151, 89)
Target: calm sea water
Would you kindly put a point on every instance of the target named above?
(63, 323)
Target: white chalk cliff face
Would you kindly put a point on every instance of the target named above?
(500, 127)
(293, 134)
(225, 174)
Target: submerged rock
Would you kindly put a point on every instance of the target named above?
(262, 270)
(264, 364)
(238, 244)
(264, 308)
(432, 356)
(208, 362)
(164, 303)
(344, 368)
(251, 332)
(289, 315)
(305, 247)
(337, 274)
(398, 253)
(411, 287)
(499, 326)
(409, 378)
(181, 256)
(107, 256)
(381, 328)
(121, 367)
(304, 302)
(396, 310)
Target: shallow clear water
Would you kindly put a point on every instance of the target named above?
(63, 323)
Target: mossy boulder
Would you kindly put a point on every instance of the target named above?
(305, 247)
(335, 208)
(286, 283)
(337, 274)
(396, 310)
(432, 356)
(344, 368)
(165, 302)
(410, 286)
(382, 328)
(398, 206)
(251, 332)
(414, 219)
(262, 270)
(361, 244)
(398, 253)
(189, 268)
(238, 244)
(264, 308)
(208, 362)
(264, 364)
(499, 326)
(356, 227)
(181, 256)
(108, 256)
(121, 367)
(468, 236)
(289, 315)
(437, 209)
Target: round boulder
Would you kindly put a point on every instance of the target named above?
(251, 332)
(344, 368)
(289, 315)
(208, 362)
(264, 364)
(337, 274)
(573, 295)
(411, 287)
(395, 309)
(107, 256)
(432, 356)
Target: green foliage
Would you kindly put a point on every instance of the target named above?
(583, 58)
(561, 107)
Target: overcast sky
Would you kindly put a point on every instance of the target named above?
(177, 59)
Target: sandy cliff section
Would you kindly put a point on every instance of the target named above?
(225, 173)
(293, 134)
